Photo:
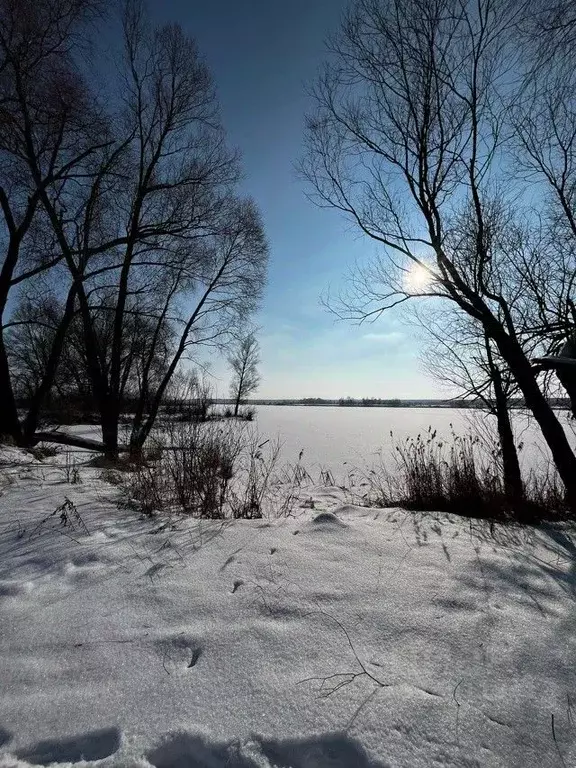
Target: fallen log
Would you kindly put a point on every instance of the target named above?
(62, 438)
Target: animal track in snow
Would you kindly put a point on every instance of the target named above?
(179, 652)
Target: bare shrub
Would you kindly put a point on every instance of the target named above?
(101, 461)
(462, 477)
(64, 516)
(326, 478)
(244, 414)
(71, 469)
(154, 448)
(291, 480)
(192, 473)
(111, 476)
(546, 495)
(433, 478)
(254, 486)
(214, 471)
(44, 451)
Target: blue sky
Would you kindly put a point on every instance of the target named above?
(263, 54)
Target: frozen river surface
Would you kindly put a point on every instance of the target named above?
(343, 438)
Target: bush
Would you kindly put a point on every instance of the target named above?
(244, 414)
(463, 478)
(208, 471)
(192, 473)
(71, 469)
(255, 478)
(44, 451)
(69, 410)
(247, 414)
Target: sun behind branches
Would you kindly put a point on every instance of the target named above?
(418, 279)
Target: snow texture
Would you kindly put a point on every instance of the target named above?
(339, 636)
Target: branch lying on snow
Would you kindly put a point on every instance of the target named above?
(332, 683)
(457, 706)
(557, 745)
(76, 442)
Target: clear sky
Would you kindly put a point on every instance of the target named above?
(263, 54)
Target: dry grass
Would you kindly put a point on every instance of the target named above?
(206, 470)
(461, 477)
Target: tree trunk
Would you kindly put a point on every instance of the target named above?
(109, 421)
(555, 437)
(9, 421)
(108, 405)
(31, 421)
(513, 485)
(240, 390)
(62, 438)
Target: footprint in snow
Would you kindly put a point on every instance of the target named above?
(179, 652)
(5, 737)
(93, 745)
(14, 588)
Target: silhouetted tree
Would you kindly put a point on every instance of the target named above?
(412, 140)
(244, 360)
(152, 227)
(456, 353)
(48, 128)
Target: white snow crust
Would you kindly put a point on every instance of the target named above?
(339, 636)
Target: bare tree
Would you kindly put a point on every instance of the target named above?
(228, 290)
(44, 112)
(457, 354)
(411, 141)
(153, 228)
(244, 360)
(544, 124)
(37, 319)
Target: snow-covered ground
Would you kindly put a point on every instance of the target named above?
(337, 637)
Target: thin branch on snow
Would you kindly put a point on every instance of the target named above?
(457, 706)
(329, 684)
(556, 743)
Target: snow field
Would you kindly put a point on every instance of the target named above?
(339, 636)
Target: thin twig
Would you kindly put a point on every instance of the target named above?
(556, 742)
(344, 678)
(457, 706)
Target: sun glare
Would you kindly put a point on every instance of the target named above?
(418, 279)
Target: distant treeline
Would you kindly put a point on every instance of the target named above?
(376, 402)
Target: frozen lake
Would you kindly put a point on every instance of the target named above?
(343, 438)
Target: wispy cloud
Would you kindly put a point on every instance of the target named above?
(384, 338)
